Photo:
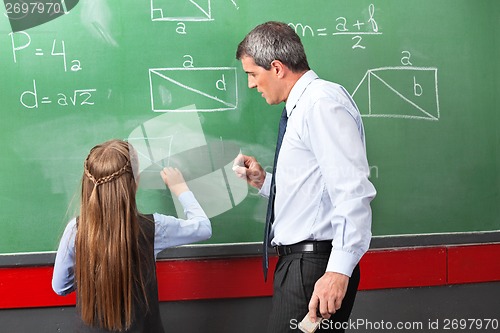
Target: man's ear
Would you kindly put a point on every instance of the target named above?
(278, 68)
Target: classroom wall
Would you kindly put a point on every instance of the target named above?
(424, 284)
(434, 307)
(424, 74)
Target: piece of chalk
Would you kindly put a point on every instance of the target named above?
(307, 326)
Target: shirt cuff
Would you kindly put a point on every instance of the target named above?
(342, 262)
(266, 187)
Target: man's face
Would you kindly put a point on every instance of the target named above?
(266, 81)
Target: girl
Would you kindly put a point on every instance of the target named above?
(107, 254)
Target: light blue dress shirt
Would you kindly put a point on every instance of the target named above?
(323, 190)
(169, 231)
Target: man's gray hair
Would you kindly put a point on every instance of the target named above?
(274, 41)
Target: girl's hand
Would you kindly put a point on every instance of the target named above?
(173, 178)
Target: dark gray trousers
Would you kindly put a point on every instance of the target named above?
(294, 280)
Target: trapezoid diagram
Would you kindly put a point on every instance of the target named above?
(399, 92)
(181, 10)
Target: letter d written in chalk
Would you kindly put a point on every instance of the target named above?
(27, 95)
(221, 84)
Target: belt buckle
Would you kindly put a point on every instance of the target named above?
(282, 250)
(310, 247)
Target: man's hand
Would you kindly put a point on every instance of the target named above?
(247, 167)
(328, 294)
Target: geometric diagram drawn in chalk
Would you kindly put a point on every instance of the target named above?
(209, 88)
(181, 10)
(178, 140)
(399, 92)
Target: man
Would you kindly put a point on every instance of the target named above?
(321, 214)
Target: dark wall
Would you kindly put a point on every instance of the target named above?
(378, 308)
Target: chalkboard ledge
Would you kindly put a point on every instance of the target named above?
(197, 251)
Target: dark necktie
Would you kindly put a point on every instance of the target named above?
(272, 193)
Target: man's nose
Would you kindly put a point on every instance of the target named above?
(251, 83)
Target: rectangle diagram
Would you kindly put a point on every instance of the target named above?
(209, 88)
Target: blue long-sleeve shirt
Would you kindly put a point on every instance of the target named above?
(169, 231)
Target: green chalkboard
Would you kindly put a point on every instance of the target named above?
(162, 74)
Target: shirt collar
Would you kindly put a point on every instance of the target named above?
(298, 89)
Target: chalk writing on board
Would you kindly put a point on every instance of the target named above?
(210, 88)
(183, 10)
(31, 99)
(235, 5)
(22, 40)
(153, 150)
(357, 28)
(206, 164)
(413, 92)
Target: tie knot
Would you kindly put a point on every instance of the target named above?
(284, 114)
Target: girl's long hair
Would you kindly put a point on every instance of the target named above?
(108, 255)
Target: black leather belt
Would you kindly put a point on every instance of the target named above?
(304, 247)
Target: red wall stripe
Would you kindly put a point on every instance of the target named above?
(215, 278)
(29, 287)
(475, 263)
(196, 279)
(403, 268)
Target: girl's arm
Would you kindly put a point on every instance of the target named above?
(171, 231)
(63, 277)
